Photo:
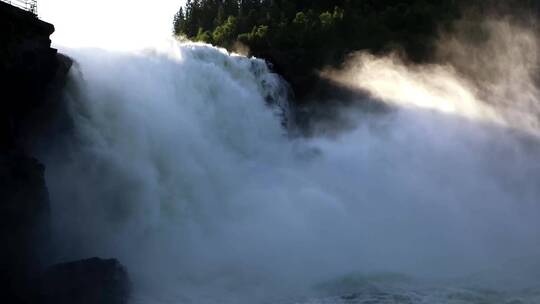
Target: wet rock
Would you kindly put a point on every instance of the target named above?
(24, 221)
(92, 281)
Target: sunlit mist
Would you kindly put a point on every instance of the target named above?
(471, 84)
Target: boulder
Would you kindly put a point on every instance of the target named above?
(92, 281)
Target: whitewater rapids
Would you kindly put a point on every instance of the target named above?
(178, 162)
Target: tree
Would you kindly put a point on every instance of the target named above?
(179, 22)
(226, 33)
(302, 36)
(220, 18)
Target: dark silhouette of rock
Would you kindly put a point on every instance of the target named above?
(31, 75)
(24, 220)
(92, 281)
(30, 71)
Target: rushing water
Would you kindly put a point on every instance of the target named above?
(178, 162)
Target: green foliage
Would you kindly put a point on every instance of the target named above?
(327, 20)
(226, 34)
(300, 19)
(204, 36)
(179, 22)
(300, 36)
(258, 37)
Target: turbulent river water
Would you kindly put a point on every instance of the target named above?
(177, 161)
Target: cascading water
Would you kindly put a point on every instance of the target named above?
(178, 164)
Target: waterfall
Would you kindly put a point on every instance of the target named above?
(178, 163)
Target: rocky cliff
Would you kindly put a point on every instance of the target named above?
(29, 68)
(31, 72)
(32, 75)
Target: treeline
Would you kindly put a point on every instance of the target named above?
(300, 36)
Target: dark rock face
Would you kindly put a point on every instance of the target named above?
(24, 218)
(92, 281)
(29, 70)
(32, 76)
(27, 66)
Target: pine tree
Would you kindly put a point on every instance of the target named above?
(220, 18)
(179, 22)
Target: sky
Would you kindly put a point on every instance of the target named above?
(111, 24)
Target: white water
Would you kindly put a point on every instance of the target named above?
(179, 166)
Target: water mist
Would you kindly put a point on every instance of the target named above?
(178, 163)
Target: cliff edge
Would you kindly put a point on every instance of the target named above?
(31, 72)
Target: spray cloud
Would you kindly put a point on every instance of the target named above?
(178, 164)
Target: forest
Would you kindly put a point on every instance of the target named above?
(301, 36)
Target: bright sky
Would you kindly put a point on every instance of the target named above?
(112, 24)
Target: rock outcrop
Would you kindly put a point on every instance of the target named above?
(31, 72)
(92, 281)
(32, 75)
(24, 220)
